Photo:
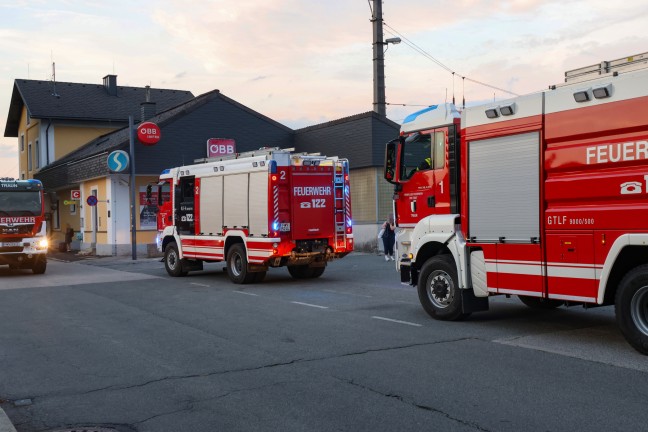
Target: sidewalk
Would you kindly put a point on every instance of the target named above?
(5, 423)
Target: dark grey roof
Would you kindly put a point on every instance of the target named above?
(185, 130)
(361, 138)
(85, 102)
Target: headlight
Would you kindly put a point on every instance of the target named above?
(42, 244)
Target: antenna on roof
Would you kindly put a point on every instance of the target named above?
(54, 80)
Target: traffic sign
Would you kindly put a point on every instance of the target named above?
(148, 133)
(92, 200)
(75, 194)
(118, 161)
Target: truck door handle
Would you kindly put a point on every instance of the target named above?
(431, 201)
(413, 206)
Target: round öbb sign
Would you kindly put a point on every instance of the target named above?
(148, 133)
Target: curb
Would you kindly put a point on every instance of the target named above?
(5, 423)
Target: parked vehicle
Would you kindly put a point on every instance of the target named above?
(256, 210)
(23, 229)
(543, 196)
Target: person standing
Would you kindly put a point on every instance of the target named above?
(389, 237)
(69, 233)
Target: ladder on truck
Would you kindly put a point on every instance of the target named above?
(625, 64)
(341, 201)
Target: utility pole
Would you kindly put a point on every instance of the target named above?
(379, 105)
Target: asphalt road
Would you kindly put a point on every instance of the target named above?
(120, 345)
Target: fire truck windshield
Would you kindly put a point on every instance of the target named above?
(416, 154)
(20, 203)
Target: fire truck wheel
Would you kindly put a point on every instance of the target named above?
(438, 291)
(40, 265)
(631, 307)
(540, 303)
(317, 272)
(172, 261)
(298, 271)
(237, 265)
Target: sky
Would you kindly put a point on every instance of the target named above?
(306, 62)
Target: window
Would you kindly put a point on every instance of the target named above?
(56, 217)
(22, 142)
(37, 149)
(416, 154)
(22, 176)
(73, 209)
(439, 150)
(29, 157)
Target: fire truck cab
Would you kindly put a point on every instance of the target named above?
(23, 230)
(543, 196)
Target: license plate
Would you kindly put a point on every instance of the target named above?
(285, 227)
(11, 244)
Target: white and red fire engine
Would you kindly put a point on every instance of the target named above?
(256, 210)
(543, 196)
(23, 230)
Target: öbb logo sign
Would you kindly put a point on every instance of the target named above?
(148, 133)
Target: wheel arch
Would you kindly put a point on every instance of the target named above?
(627, 252)
(428, 250)
(171, 239)
(231, 240)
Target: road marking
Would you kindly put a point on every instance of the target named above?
(397, 321)
(246, 293)
(202, 285)
(311, 305)
(348, 293)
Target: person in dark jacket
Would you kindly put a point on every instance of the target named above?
(389, 237)
(69, 233)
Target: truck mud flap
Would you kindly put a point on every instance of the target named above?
(405, 274)
(470, 303)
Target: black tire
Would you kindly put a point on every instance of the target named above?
(40, 265)
(237, 265)
(438, 289)
(631, 308)
(540, 303)
(300, 271)
(305, 271)
(172, 261)
(317, 272)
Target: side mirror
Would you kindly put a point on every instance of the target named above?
(389, 170)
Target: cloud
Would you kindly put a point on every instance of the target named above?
(298, 61)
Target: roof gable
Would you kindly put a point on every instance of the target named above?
(85, 102)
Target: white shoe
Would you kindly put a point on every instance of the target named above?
(386, 258)
(392, 258)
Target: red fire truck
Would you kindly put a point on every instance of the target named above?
(543, 196)
(23, 231)
(256, 210)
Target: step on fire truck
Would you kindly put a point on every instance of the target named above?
(543, 196)
(256, 210)
(23, 231)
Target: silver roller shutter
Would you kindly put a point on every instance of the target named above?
(503, 188)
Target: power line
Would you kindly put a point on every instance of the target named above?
(427, 55)
(402, 104)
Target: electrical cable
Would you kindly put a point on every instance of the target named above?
(421, 51)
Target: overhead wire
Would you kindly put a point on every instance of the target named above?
(429, 56)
